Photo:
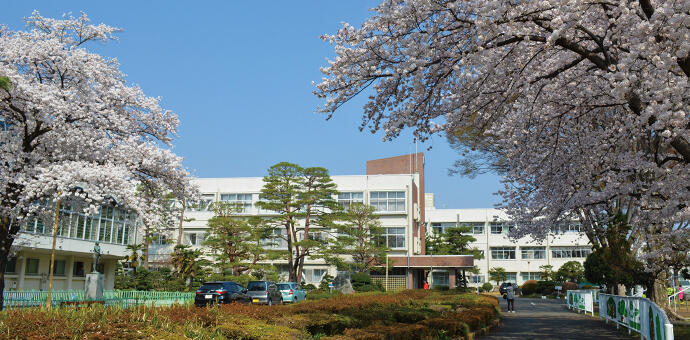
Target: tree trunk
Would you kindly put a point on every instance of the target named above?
(291, 270)
(7, 234)
(179, 228)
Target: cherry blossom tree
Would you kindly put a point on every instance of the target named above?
(75, 127)
(580, 105)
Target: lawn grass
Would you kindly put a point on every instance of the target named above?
(407, 314)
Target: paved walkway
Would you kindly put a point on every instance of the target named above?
(549, 319)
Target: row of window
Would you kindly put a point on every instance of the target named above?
(538, 253)
(511, 277)
(32, 265)
(110, 225)
(390, 201)
(392, 237)
(495, 228)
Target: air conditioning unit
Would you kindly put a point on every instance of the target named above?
(417, 245)
(415, 210)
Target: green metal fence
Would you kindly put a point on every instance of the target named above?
(119, 298)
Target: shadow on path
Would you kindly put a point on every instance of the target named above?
(549, 319)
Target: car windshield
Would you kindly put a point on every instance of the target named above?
(211, 286)
(256, 285)
(283, 286)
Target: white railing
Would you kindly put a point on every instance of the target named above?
(673, 299)
(637, 314)
(582, 300)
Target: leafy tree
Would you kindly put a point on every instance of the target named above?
(134, 259)
(189, 264)
(73, 120)
(358, 236)
(570, 271)
(614, 268)
(237, 243)
(577, 117)
(455, 241)
(498, 274)
(295, 194)
(546, 272)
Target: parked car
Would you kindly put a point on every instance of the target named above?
(220, 292)
(292, 292)
(264, 292)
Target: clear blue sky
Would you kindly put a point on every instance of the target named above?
(239, 75)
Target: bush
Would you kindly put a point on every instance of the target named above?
(569, 286)
(359, 280)
(308, 287)
(587, 287)
(529, 287)
(543, 286)
(487, 286)
(369, 288)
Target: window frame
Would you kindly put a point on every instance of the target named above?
(503, 250)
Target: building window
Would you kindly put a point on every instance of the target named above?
(347, 198)
(159, 239)
(277, 241)
(314, 275)
(477, 228)
(497, 228)
(59, 267)
(511, 277)
(243, 201)
(437, 228)
(503, 253)
(11, 267)
(78, 269)
(31, 266)
(530, 276)
(570, 252)
(533, 253)
(475, 279)
(204, 204)
(388, 200)
(440, 279)
(194, 239)
(393, 238)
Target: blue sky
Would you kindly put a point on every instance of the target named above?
(239, 75)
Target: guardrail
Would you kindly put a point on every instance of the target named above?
(637, 314)
(121, 298)
(582, 300)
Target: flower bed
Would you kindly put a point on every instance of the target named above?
(423, 314)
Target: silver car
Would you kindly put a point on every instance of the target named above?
(264, 292)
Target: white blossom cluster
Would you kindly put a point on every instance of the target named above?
(583, 102)
(75, 128)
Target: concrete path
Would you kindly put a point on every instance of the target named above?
(549, 319)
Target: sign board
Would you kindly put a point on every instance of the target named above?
(638, 314)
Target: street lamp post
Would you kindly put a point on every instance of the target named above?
(529, 273)
(431, 263)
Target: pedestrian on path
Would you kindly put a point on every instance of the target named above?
(510, 292)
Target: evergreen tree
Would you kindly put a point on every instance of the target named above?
(296, 193)
(359, 237)
(498, 274)
(238, 243)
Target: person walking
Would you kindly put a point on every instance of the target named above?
(510, 292)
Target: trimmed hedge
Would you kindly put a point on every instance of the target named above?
(529, 287)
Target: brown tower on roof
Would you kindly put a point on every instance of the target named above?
(406, 164)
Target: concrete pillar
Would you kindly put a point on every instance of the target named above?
(109, 273)
(69, 268)
(410, 278)
(451, 278)
(21, 262)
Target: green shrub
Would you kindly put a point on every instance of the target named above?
(369, 288)
(308, 287)
(544, 285)
(441, 288)
(569, 286)
(529, 287)
(360, 279)
(317, 294)
(487, 286)
(587, 287)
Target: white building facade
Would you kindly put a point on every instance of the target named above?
(521, 258)
(29, 266)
